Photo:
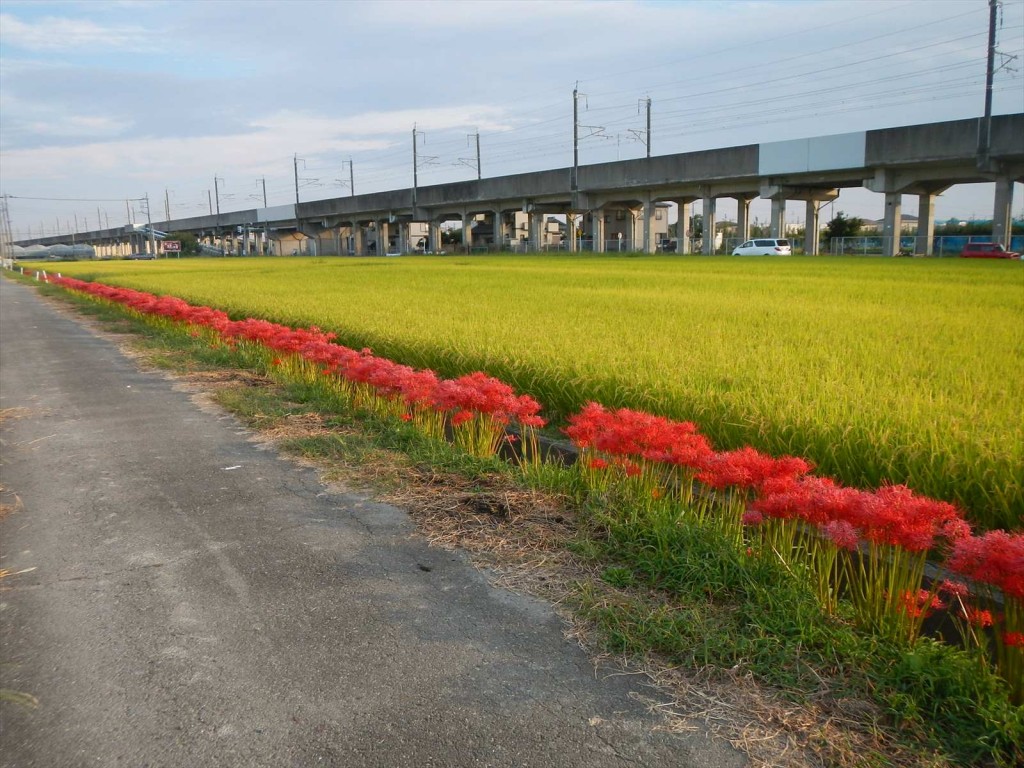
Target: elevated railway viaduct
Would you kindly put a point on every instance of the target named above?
(922, 160)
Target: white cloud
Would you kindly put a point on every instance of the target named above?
(53, 33)
(79, 126)
(307, 125)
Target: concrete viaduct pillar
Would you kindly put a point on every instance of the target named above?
(778, 222)
(683, 224)
(536, 221)
(434, 236)
(597, 229)
(924, 243)
(709, 216)
(648, 204)
(811, 233)
(743, 216)
(1002, 217)
(467, 231)
(892, 223)
(358, 239)
(499, 230)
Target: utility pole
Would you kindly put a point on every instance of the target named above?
(297, 227)
(414, 176)
(209, 201)
(574, 182)
(648, 142)
(478, 173)
(985, 129)
(128, 209)
(266, 224)
(149, 221)
(351, 177)
(167, 206)
(99, 221)
(216, 194)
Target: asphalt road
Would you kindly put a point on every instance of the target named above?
(183, 597)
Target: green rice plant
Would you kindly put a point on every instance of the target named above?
(878, 371)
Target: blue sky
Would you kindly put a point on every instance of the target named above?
(103, 101)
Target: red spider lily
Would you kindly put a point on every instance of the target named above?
(749, 468)
(1013, 639)
(634, 433)
(815, 500)
(461, 417)
(483, 394)
(921, 604)
(752, 517)
(893, 515)
(954, 588)
(841, 533)
(995, 558)
(977, 617)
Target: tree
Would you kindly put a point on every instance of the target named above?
(843, 226)
(189, 243)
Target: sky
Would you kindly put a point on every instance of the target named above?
(105, 102)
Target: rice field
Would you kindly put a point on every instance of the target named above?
(906, 371)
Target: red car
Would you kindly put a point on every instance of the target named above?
(987, 251)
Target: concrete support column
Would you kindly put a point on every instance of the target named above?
(597, 229)
(892, 223)
(925, 224)
(811, 233)
(536, 222)
(434, 236)
(383, 236)
(778, 225)
(358, 239)
(570, 231)
(499, 231)
(467, 231)
(743, 217)
(1002, 217)
(683, 226)
(648, 218)
(709, 226)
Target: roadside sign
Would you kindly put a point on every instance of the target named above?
(172, 246)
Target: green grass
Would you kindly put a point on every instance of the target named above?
(877, 370)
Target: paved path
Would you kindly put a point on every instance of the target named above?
(198, 601)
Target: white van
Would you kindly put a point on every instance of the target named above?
(763, 247)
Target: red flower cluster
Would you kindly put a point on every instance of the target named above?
(891, 515)
(749, 468)
(464, 397)
(480, 393)
(995, 558)
(638, 434)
